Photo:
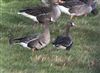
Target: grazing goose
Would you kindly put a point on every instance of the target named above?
(64, 41)
(77, 10)
(71, 3)
(35, 42)
(35, 13)
(94, 6)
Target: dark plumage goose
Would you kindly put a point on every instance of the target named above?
(35, 42)
(64, 41)
(77, 9)
(52, 11)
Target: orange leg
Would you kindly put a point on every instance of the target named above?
(33, 49)
(85, 15)
(71, 17)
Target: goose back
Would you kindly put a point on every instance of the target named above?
(36, 10)
(81, 9)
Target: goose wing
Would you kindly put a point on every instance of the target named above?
(64, 41)
(78, 9)
(36, 10)
(71, 3)
(26, 39)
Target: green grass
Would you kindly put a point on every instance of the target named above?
(84, 56)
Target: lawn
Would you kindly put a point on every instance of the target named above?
(84, 56)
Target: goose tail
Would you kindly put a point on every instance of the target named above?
(12, 40)
(22, 11)
(18, 41)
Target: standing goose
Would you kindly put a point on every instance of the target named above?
(64, 41)
(35, 42)
(52, 11)
(78, 9)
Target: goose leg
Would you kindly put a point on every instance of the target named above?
(71, 17)
(85, 15)
(33, 49)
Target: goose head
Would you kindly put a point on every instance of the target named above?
(92, 3)
(71, 24)
(68, 26)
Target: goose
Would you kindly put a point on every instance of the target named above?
(71, 3)
(77, 9)
(64, 41)
(94, 6)
(36, 42)
(52, 11)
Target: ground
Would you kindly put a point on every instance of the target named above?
(84, 56)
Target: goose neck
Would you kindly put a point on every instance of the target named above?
(55, 12)
(67, 30)
(46, 29)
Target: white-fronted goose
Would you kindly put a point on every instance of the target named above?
(64, 41)
(94, 6)
(71, 3)
(35, 42)
(53, 12)
(78, 9)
